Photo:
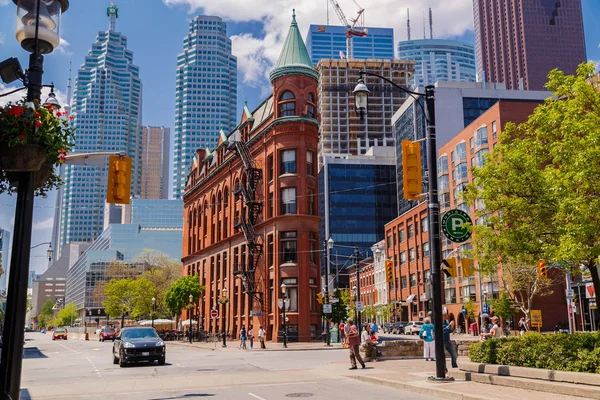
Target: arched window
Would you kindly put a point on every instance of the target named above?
(287, 104)
(310, 106)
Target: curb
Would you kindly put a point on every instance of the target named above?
(270, 349)
(426, 389)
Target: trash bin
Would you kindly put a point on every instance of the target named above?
(334, 336)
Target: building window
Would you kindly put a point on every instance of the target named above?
(450, 297)
(288, 162)
(310, 194)
(402, 236)
(411, 254)
(310, 106)
(288, 201)
(403, 258)
(270, 168)
(288, 244)
(494, 130)
(425, 224)
(312, 247)
(291, 293)
(413, 280)
(403, 282)
(270, 209)
(270, 250)
(426, 249)
(310, 165)
(411, 231)
(389, 242)
(287, 104)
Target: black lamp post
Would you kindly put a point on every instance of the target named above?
(153, 309)
(84, 320)
(123, 316)
(328, 245)
(49, 252)
(191, 319)
(37, 29)
(283, 298)
(361, 98)
(224, 300)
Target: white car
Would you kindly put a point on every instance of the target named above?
(413, 328)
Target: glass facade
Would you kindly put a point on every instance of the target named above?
(439, 60)
(362, 199)
(205, 93)
(328, 41)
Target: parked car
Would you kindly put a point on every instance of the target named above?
(59, 333)
(387, 327)
(138, 344)
(107, 334)
(413, 327)
(562, 327)
(398, 328)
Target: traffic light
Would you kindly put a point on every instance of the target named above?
(411, 170)
(575, 298)
(320, 298)
(119, 180)
(468, 267)
(450, 270)
(542, 270)
(389, 271)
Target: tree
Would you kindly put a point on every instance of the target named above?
(67, 315)
(503, 306)
(177, 297)
(46, 314)
(128, 296)
(161, 272)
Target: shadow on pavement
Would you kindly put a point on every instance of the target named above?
(33, 352)
(185, 396)
(25, 394)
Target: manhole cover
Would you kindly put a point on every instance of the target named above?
(299, 395)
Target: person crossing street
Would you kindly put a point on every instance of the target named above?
(353, 339)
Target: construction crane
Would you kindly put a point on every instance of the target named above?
(354, 27)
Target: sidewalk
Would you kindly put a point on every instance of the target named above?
(411, 375)
(271, 346)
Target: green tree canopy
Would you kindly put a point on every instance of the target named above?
(67, 315)
(177, 297)
(128, 296)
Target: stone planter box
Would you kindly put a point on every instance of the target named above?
(414, 348)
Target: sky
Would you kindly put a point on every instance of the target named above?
(155, 30)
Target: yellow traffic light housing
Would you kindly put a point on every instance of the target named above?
(412, 179)
(542, 270)
(118, 190)
(389, 271)
(468, 267)
(450, 270)
(320, 298)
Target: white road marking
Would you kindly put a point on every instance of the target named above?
(96, 370)
(256, 397)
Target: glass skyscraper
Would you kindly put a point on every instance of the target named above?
(327, 41)
(107, 117)
(439, 60)
(205, 93)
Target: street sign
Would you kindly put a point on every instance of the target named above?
(326, 308)
(334, 300)
(536, 317)
(486, 309)
(287, 303)
(570, 294)
(214, 313)
(360, 306)
(453, 225)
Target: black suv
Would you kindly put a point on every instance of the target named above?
(138, 344)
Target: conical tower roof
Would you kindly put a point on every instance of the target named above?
(294, 58)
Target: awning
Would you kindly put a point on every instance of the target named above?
(411, 298)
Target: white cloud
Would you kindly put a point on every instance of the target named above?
(257, 54)
(2, 37)
(44, 224)
(62, 47)
(4, 2)
(60, 96)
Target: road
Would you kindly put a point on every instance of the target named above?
(84, 370)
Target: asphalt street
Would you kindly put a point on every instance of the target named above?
(81, 370)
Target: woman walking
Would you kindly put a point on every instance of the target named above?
(251, 336)
(426, 333)
(243, 338)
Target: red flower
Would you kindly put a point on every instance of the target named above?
(38, 123)
(15, 111)
(62, 155)
(65, 112)
(58, 114)
(22, 136)
(70, 118)
(37, 115)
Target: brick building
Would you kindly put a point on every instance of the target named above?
(407, 239)
(250, 207)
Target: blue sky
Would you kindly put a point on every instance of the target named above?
(155, 30)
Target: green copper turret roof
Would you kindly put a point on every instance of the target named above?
(294, 58)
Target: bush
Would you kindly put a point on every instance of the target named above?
(579, 352)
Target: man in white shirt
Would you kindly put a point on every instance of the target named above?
(261, 337)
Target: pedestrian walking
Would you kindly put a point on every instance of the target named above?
(353, 340)
(251, 336)
(341, 329)
(426, 333)
(261, 337)
(375, 328)
(522, 326)
(486, 327)
(448, 345)
(243, 337)
(496, 331)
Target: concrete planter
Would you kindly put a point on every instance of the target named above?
(414, 348)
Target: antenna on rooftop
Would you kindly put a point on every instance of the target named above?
(424, 34)
(430, 24)
(408, 23)
(112, 12)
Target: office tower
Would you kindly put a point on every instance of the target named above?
(4, 259)
(205, 93)
(439, 60)
(155, 162)
(342, 131)
(519, 41)
(107, 110)
(329, 41)
(457, 104)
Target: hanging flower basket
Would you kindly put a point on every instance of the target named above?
(33, 138)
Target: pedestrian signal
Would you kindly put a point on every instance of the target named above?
(468, 267)
(412, 179)
(389, 271)
(450, 267)
(118, 189)
(542, 270)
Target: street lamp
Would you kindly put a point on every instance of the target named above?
(153, 309)
(329, 246)
(361, 99)
(123, 316)
(224, 300)
(49, 252)
(357, 287)
(283, 297)
(191, 320)
(38, 31)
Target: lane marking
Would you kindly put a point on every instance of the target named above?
(256, 397)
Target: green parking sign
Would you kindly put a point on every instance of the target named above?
(454, 225)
